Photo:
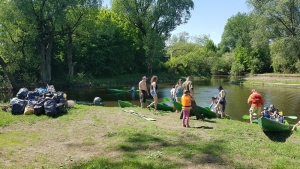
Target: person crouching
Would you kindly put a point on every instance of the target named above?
(186, 108)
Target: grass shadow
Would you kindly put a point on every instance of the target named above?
(278, 136)
(204, 127)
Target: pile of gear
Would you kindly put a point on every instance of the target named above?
(39, 101)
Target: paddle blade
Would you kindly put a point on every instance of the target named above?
(291, 117)
(246, 117)
(166, 99)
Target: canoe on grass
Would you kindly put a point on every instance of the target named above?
(125, 104)
(121, 91)
(89, 103)
(161, 106)
(267, 124)
(201, 110)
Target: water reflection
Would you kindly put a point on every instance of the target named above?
(286, 99)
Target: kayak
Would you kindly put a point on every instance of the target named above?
(207, 113)
(161, 106)
(89, 103)
(267, 124)
(121, 91)
(125, 104)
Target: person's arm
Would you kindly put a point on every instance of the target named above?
(212, 102)
(154, 87)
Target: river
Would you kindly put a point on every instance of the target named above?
(286, 99)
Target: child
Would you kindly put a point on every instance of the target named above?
(295, 126)
(172, 93)
(265, 113)
(214, 100)
(186, 107)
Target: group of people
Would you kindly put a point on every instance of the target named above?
(182, 92)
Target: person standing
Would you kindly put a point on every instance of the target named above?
(172, 93)
(186, 107)
(153, 92)
(221, 101)
(143, 90)
(188, 87)
(256, 101)
(178, 92)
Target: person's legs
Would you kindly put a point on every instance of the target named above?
(250, 112)
(177, 100)
(155, 101)
(187, 112)
(195, 109)
(223, 110)
(142, 99)
(184, 118)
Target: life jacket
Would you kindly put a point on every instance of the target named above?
(186, 100)
(256, 98)
(266, 115)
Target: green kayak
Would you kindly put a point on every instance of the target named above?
(90, 104)
(125, 104)
(161, 106)
(207, 113)
(267, 124)
(121, 91)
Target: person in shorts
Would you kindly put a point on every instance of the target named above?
(143, 90)
(256, 101)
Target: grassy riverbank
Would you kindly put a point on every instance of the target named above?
(107, 137)
(273, 79)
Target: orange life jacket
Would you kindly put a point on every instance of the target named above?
(186, 100)
(256, 98)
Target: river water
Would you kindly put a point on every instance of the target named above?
(286, 99)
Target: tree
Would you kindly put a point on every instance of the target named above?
(154, 19)
(278, 24)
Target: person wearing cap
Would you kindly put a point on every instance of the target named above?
(143, 90)
(265, 113)
(256, 101)
(178, 92)
(187, 86)
(221, 102)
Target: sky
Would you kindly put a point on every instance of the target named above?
(209, 17)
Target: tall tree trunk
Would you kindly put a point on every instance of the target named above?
(69, 52)
(10, 78)
(45, 53)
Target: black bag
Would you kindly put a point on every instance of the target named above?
(32, 94)
(18, 107)
(22, 94)
(59, 97)
(38, 110)
(50, 107)
(61, 108)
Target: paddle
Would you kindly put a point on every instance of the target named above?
(167, 99)
(247, 117)
(291, 117)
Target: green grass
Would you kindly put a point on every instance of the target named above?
(126, 141)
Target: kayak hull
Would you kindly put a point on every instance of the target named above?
(122, 91)
(125, 104)
(267, 124)
(201, 110)
(161, 106)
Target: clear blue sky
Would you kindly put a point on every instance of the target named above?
(209, 17)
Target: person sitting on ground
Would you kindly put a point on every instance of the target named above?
(295, 126)
(265, 113)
